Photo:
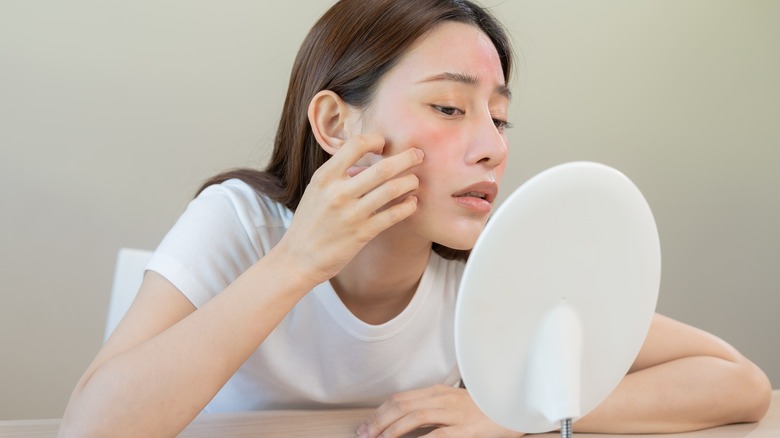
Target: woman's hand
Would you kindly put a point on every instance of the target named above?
(344, 207)
(451, 411)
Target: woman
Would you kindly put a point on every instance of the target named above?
(389, 150)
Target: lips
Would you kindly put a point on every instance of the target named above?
(485, 190)
(472, 195)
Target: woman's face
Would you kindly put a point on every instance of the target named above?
(448, 97)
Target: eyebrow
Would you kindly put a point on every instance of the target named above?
(468, 80)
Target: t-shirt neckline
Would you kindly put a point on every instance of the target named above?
(371, 332)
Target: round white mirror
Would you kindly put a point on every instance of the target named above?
(557, 296)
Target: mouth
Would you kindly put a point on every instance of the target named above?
(484, 190)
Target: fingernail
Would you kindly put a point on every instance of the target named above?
(420, 153)
(361, 432)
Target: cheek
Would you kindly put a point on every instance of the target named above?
(404, 128)
(437, 143)
(414, 133)
(440, 148)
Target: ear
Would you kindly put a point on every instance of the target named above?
(330, 118)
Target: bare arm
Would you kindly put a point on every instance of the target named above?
(683, 379)
(152, 378)
(166, 360)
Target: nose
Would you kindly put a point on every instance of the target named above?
(488, 144)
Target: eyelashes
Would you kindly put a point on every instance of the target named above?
(501, 124)
(451, 111)
(448, 110)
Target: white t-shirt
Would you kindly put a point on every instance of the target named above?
(320, 355)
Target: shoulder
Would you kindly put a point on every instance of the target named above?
(221, 233)
(253, 209)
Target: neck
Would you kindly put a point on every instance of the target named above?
(382, 279)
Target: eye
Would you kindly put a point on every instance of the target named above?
(448, 110)
(501, 124)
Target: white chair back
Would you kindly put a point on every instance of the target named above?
(128, 274)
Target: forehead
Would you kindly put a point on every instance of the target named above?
(452, 47)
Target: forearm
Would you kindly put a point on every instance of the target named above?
(157, 387)
(685, 394)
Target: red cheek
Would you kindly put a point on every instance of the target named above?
(437, 140)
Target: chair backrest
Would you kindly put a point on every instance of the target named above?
(128, 274)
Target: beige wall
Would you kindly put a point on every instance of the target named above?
(111, 113)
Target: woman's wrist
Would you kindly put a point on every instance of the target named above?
(292, 268)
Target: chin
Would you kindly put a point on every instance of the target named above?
(463, 242)
(456, 233)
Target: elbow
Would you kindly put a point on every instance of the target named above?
(81, 421)
(83, 426)
(77, 427)
(68, 431)
(73, 428)
(760, 401)
(756, 393)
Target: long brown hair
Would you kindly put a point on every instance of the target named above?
(347, 51)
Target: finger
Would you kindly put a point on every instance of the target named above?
(390, 216)
(354, 170)
(386, 193)
(396, 407)
(353, 150)
(447, 431)
(418, 419)
(386, 169)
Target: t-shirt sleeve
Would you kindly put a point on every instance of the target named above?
(222, 232)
